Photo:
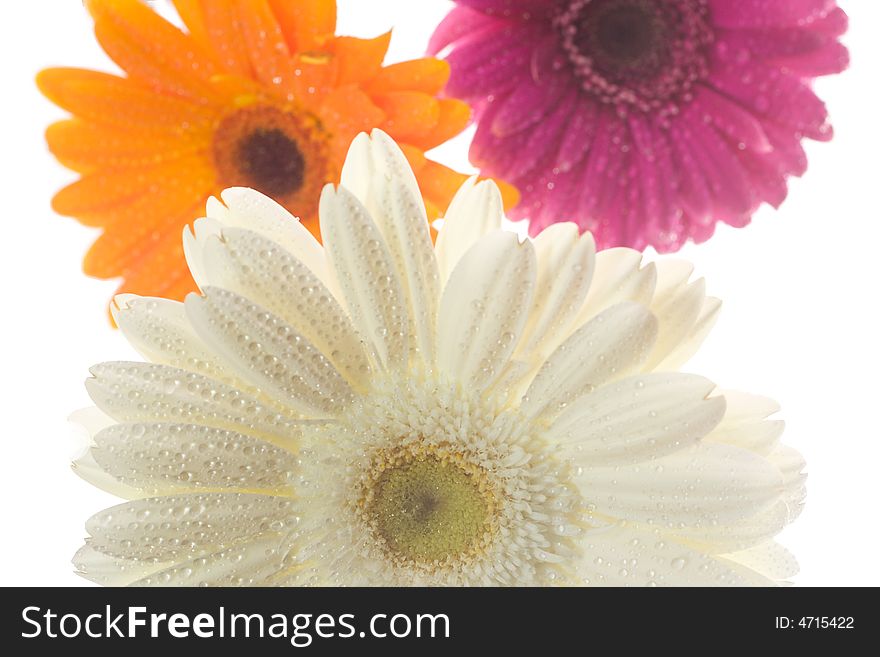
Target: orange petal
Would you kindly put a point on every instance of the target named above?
(439, 184)
(509, 194)
(117, 250)
(146, 197)
(346, 112)
(408, 113)
(92, 198)
(415, 156)
(316, 79)
(306, 24)
(454, 117)
(113, 100)
(224, 31)
(190, 12)
(150, 49)
(312, 222)
(265, 46)
(161, 271)
(360, 59)
(105, 198)
(427, 75)
(85, 146)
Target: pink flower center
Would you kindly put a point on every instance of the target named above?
(637, 54)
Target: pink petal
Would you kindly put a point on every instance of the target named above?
(769, 92)
(808, 53)
(730, 119)
(533, 98)
(510, 8)
(767, 13)
(542, 142)
(458, 23)
(582, 127)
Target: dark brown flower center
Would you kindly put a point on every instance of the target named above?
(280, 152)
(271, 162)
(628, 33)
(643, 54)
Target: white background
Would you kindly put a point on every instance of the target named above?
(800, 289)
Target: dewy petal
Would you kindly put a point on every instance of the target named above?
(110, 571)
(366, 273)
(745, 423)
(143, 392)
(619, 276)
(678, 305)
(696, 486)
(689, 344)
(161, 332)
(377, 173)
(84, 466)
(623, 556)
(475, 211)
(484, 309)
(770, 559)
(254, 563)
(253, 266)
(270, 353)
(180, 527)
(565, 268)
(609, 346)
(636, 420)
(246, 208)
(742, 534)
(760, 13)
(161, 457)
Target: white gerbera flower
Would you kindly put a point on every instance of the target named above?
(381, 411)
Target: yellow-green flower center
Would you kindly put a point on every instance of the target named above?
(429, 505)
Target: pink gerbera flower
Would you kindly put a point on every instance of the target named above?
(645, 121)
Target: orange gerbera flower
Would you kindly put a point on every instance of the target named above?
(256, 93)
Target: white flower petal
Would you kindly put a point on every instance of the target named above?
(180, 527)
(770, 559)
(677, 313)
(744, 407)
(791, 464)
(161, 333)
(637, 419)
(193, 239)
(696, 486)
(143, 392)
(254, 267)
(255, 563)
(609, 346)
(622, 556)
(618, 277)
(366, 273)
(741, 534)
(690, 343)
(484, 309)
(87, 469)
(251, 210)
(381, 179)
(565, 268)
(111, 571)
(744, 424)
(160, 457)
(475, 210)
(267, 351)
(673, 275)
